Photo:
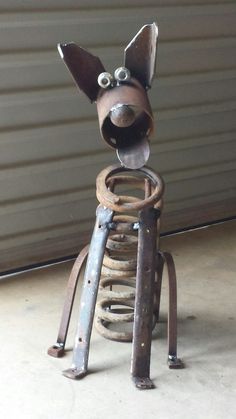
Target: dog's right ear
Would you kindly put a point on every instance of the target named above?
(84, 67)
(140, 54)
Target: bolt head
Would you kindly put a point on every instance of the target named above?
(122, 116)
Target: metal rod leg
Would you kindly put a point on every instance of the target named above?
(89, 294)
(158, 285)
(58, 349)
(173, 361)
(143, 314)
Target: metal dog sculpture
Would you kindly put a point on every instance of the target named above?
(124, 248)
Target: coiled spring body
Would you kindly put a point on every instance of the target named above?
(117, 285)
(114, 314)
(124, 244)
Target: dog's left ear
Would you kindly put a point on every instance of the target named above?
(140, 55)
(84, 67)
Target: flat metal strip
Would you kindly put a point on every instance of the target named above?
(57, 350)
(143, 314)
(89, 293)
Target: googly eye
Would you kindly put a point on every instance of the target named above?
(105, 80)
(122, 74)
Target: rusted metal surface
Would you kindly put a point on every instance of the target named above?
(89, 294)
(58, 349)
(122, 203)
(119, 264)
(135, 155)
(116, 306)
(143, 315)
(140, 55)
(124, 112)
(173, 361)
(124, 249)
(84, 68)
(126, 121)
(124, 223)
(158, 283)
(117, 256)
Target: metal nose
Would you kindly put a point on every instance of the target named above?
(122, 115)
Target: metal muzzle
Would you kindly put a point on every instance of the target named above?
(126, 121)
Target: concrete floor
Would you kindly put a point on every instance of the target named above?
(33, 387)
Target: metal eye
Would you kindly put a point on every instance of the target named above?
(122, 74)
(105, 80)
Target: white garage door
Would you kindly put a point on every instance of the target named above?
(50, 147)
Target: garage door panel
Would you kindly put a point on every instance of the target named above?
(47, 145)
(48, 28)
(50, 147)
(35, 70)
(200, 189)
(65, 104)
(70, 4)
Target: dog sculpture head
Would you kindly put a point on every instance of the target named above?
(124, 112)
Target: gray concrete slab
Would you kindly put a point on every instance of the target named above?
(32, 386)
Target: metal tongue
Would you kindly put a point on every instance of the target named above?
(135, 156)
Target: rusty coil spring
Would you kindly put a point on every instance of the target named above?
(117, 284)
(152, 184)
(118, 280)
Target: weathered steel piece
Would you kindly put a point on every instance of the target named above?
(158, 282)
(145, 285)
(126, 123)
(140, 54)
(136, 155)
(114, 237)
(173, 361)
(124, 112)
(122, 203)
(119, 269)
(89, 294)
(58, 349)
(84, 68)
(119, 264)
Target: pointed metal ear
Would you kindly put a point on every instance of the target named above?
(140, 55)
(84, 67)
